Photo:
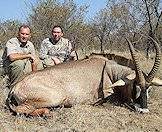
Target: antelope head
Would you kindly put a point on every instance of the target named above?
(141, 81)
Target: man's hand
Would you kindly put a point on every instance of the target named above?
(33, 59)
(73, 54)
(34, 62)
(56, 60)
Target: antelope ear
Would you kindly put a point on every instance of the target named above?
(131, 76)
(156, 82)
(117, 83)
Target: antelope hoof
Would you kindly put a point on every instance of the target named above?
(41, 111)
(141, 110)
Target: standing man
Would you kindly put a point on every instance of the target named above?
(18, 55)
(56, 49)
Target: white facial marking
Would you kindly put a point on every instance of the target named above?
(138, 91)
(140, 110)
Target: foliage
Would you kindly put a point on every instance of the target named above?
(105, 31)
(8, 29)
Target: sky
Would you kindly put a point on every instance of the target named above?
(18, 10)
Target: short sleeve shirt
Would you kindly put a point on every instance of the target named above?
(15, 46)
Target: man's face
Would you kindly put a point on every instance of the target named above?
(57, 34)
(24, 35)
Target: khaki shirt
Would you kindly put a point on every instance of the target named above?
(14, 46)
(61, 49)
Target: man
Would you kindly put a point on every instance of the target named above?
(56, 49)
(18, 55)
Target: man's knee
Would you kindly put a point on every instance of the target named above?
(15, 71)
(17, 65)
(20, 63)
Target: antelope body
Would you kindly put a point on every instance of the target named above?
(82, 82)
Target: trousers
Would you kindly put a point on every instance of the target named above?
(16, 69)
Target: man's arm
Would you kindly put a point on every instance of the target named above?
(20, 56)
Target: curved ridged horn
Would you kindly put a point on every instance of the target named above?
(154, 69)
(138, 70)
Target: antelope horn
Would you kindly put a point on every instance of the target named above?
(154, 69)
(138, 70)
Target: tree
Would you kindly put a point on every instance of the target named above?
(8, 29)
(153, 18)
(102, 25)
(127, 18)
(114, 20)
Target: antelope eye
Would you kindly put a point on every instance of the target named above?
(149, 89)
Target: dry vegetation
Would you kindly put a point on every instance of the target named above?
(108, 117)
(105, 31)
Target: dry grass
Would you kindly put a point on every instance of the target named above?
(108, 117)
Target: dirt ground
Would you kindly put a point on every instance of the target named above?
(85, 118)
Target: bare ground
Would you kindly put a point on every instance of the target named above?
(79, 118)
